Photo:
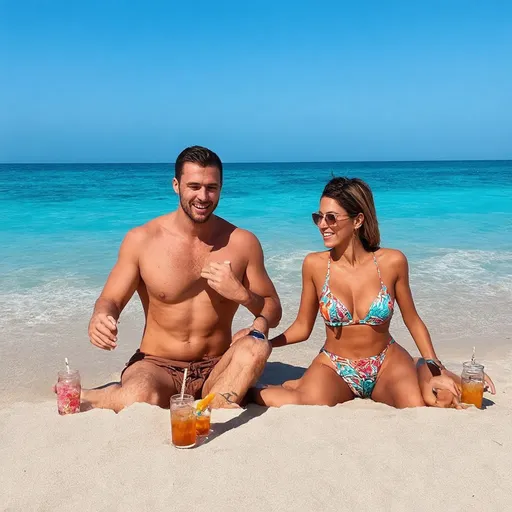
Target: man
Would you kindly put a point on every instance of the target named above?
(191, 270)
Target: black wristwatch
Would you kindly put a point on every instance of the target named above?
(434, 367)
(257, 334)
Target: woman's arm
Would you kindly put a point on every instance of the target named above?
(428, 381)
(404, 299)
(444, 390)
(442, 381)
(301, 329)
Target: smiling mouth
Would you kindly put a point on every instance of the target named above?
(201, 207)
(327, 235)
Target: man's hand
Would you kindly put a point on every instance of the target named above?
(240, 334)
(103, 331)
(220, 277)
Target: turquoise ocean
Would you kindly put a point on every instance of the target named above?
(62, 226)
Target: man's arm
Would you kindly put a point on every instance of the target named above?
(261, 298)
(118, 290)
(256, 292)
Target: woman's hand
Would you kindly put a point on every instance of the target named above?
(260, 323)
(489, 384)
(444, 392)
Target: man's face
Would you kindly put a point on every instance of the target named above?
(199, 191)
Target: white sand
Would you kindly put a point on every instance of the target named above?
(361, 455)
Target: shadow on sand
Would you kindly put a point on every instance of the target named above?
(276, 373)
(252, 411)
(487, 403)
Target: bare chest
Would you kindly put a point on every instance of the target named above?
(172, 271)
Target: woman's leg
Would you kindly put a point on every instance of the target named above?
(292, 384)
(397, 382)
(320, 385)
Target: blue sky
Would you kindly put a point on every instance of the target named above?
(112, 81)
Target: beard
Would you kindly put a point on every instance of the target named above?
(192, 215)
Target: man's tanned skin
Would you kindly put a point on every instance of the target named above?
(191, 270)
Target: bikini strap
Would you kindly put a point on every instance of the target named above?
(326, 282)
(378, 269)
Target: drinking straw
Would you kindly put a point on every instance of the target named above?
(473, 356)
(67, 364)
(183, 383)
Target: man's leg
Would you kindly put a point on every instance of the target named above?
(143, 381)
(238, 369)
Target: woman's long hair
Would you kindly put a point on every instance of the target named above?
(355, 196)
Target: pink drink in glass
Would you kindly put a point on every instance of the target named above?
(68, 392)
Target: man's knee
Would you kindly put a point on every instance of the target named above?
(141, 387)
(146, 394)
(252, 352)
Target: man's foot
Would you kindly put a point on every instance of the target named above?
(85, 404)
(225, 401)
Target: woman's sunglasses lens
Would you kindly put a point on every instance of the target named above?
(330, 218)
(317, 218)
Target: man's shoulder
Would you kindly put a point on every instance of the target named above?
(142, 233)
(237, 235)
(245, 236)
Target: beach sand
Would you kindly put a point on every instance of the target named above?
(360, 455)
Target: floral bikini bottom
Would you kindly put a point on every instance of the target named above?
(359, 374)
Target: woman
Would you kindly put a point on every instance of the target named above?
(355, 285)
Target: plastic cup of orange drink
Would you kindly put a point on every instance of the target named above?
(183, 421)
(472, 384)
(203, 421)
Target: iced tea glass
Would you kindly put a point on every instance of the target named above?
(472, 384)
(183, 421)
(203, 422)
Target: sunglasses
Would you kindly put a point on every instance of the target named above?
(330, 218)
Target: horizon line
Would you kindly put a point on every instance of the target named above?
(272, 162)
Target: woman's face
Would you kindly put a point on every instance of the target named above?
(335, 226)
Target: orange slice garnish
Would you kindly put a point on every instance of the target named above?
(205, 402)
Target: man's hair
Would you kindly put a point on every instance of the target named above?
(355, 196)
(197, 155)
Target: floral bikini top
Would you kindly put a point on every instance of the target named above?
(336, 314)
